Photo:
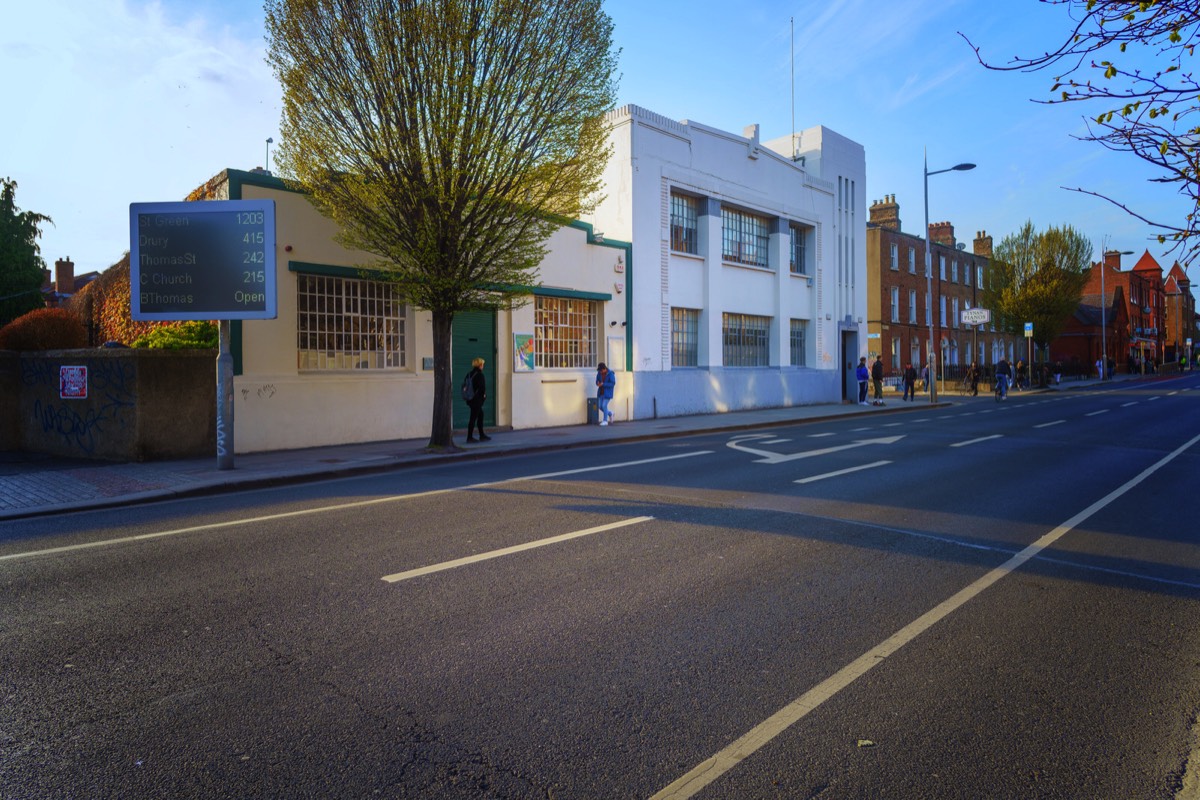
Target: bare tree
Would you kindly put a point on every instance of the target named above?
(1151, 113)
(447, 138)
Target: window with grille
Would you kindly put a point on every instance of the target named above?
(745, 340)
(348, 323)
(564, 332)
(684, 228)
(685, 337)
(744, 237)
(799, 341)
(798, 239)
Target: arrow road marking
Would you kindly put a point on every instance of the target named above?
(777, 458)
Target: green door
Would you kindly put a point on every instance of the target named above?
(474, 336)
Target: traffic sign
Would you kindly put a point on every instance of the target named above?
(1028, 330)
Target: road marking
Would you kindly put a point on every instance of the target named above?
(922, 419)
(507, 551)
(846, 471)
(1127, 405)
(759, 736)
(892, 425)
(212, 526)
(818, 435)
(1152, 399)
(1048, 424)
(1096, 413)
(777, 458)
(977, 441)
(1172, 394)
(776, 441)
(859, 430)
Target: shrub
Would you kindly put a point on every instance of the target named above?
(181, 336)
(44, 329)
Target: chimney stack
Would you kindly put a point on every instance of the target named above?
(885, 213)
(941, 233)
(64, 276)
(1112, 260)
(982, 245)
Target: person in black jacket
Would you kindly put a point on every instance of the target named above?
(479, 382)
(877, 379)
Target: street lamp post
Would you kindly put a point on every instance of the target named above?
(930, 362)
(1104, 310)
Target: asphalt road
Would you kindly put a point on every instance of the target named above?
(988, 601)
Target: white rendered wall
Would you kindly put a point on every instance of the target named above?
(652, 155)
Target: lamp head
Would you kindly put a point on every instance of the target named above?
(962, 167)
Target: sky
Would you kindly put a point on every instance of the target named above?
(123, 101)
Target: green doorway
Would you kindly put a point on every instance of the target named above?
(474, 336)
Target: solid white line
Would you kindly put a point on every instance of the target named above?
(507, 551)
(775, 441)
(1127, 405)
(714, 767)
(212, 526)
(977, 441)
(1048, 424)
(1096, 413)
(818, 435)
(846, 471)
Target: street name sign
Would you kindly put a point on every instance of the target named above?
(206, 260)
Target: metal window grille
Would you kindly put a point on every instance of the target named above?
(685, 337)
(799, 238)
(744, 238)
(348, 323)
(564, 332)
(746, 340)
(684, 230)
(799, 334)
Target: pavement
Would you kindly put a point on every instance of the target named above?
(37, 485)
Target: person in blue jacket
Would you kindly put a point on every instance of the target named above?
(863, 374)
(606, 382)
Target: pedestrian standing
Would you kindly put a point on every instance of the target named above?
(973, 378)
(877, 379)
(474, 396)
(863, 375)
(910, 382)
(606, 384)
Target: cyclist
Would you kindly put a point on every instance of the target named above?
(1003, 374)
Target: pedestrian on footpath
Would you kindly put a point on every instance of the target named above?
(973, 379)
(863, 375)
(877, 379)
(910, 382)
(474, 392)
(606, 384)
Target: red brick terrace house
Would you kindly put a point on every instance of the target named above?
(1180, 315)
(1081, 343)
(1144, 304)
(899, 308)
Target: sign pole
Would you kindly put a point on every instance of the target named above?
(224, 400)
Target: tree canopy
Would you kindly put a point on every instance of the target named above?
(447, 138)
(1038, 277)
(1149, 97)
(21, 262)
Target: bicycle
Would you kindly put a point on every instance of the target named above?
(1001, 388)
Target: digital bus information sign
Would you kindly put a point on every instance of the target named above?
(206, 260)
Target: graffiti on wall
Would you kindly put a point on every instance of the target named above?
(80, 423)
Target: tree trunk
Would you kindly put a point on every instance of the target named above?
(442, 429)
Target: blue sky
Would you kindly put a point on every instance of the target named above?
(126, 101)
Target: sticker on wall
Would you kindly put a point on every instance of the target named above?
(72, 383)
(523, 352)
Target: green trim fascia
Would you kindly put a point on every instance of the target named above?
(332, 270)
(577, 294)
(238, 178)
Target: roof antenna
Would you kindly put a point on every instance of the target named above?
(795, 139)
